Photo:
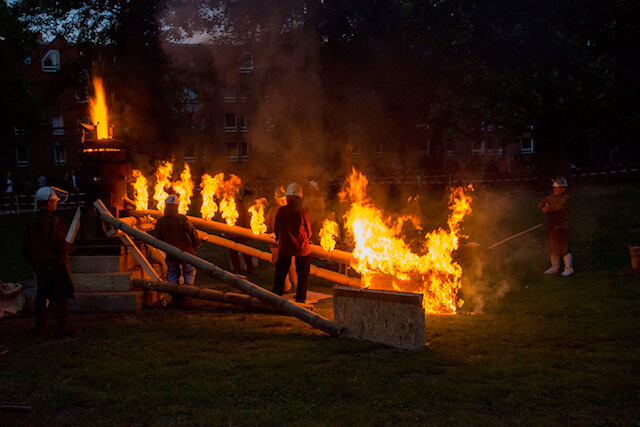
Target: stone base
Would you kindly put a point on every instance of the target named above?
(393, 318)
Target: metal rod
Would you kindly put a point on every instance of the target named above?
(514, 236)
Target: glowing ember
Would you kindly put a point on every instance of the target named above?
(228, 208)
(140, 192)
(184, 189)
(211, 187)
(328, 235)
(163, 180)
(98, 110)
(380, 251)
(257, 216)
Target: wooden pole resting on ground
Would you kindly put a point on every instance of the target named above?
(201, 293)
(263, 295)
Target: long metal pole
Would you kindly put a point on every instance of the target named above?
(263, 295)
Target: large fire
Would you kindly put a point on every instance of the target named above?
(140, 190)
(98, 110)
(257, 216)
(383, 258)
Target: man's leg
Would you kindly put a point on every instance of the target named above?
(173, 271)
(189, 274)
(303, 265)
(282, 268)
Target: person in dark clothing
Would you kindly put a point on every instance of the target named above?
(280, 200)
(243, 221)
(557, 209)
(45, 249)
(177, 230)
(293, 234)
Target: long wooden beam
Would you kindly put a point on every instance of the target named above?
(216, 272)
(337, 255)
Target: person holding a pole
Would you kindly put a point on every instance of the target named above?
(177, 230)
(556, 207)
(293, 233)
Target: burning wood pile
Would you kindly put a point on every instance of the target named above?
(382, 258)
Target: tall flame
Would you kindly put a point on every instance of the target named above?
(211, 187)
(140, 190)
(98, 110)
(184, 189)
(163, 180)
(328, 234)
(257, 216)
(380, 251)
(230, 189)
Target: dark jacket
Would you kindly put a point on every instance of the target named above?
(177, 230)
(293, 229)
(557, 238)
(43, 241)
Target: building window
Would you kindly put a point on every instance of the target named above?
(246, 63)
(51, 62)
(242, 95)
(230, 123)
(526, 142)
(477, 147)
(237, 151)
(57, 123)
(244, 124)
(22, 156)
(229, 94)
(18, 131)
(60, 153)
(190, 153)
(448, 146)
(379, 150)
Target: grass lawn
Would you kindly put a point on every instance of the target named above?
(525, 348)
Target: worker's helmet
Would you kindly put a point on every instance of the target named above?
(172, 200)
(560, 182)
(294, 189)
(51, 193)
(279, 193)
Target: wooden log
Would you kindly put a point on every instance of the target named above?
(337, 255)
(323, 273)
(201, 293)
(216, 272)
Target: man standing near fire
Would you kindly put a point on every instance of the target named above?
(45, 249)
(556, 207)
(177, 230)
(270, 221)
(293, 234)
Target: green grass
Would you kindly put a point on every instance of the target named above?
(539, 350)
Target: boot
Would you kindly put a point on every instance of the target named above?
(555, 265)
(568, 265)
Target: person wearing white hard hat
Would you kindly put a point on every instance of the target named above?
(45, 249)
(557, 209)
(293, 234)
(280, 199)
(176, 229)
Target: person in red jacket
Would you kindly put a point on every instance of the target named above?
(557, 209)
(293, 234)
(177, 230)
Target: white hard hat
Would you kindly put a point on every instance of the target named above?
(172, 200)
(51, 193)
(294, 189)
(560, 182)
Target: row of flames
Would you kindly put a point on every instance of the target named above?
(378, 249)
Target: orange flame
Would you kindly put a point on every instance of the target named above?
(379, 251)
(140, 190)
(230, 188)
(257, 216)
(98, 110)
(184, 189)
(328, 235)
(163, 180)
(211, 187)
